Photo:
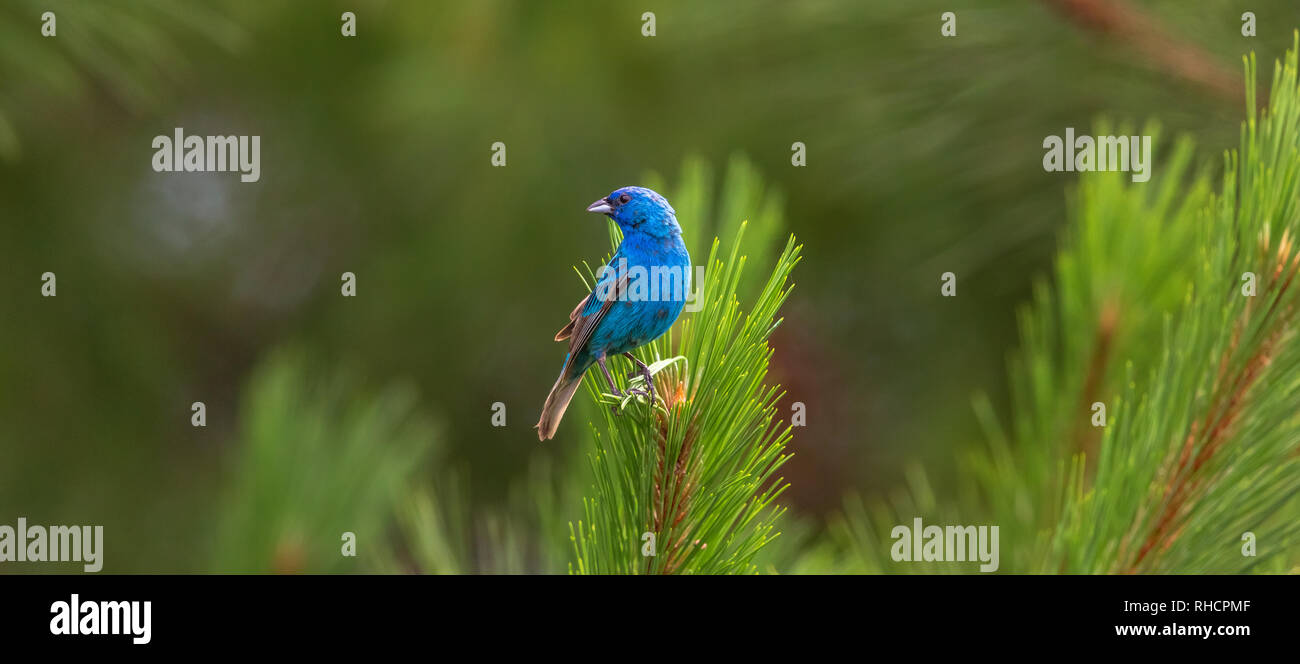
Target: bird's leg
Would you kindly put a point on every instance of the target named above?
(600, 359)
(605, 370)
(649, 379)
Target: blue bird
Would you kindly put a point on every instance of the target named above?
(638, 296)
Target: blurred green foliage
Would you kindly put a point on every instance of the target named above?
(319, 456)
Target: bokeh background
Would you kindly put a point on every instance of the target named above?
(372, 413)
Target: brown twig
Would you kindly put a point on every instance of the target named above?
(1086, 437)
(1224, 411)
(672, 491)
(1163, 50)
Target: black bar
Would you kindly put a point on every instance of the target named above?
(237, 613)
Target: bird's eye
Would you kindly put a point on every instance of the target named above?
(624, 199)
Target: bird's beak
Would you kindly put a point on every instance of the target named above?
(600, 207)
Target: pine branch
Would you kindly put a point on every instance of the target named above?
(1149, 314)
(1186, 468)
(698, 469)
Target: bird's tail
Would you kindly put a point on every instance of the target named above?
(556, 403)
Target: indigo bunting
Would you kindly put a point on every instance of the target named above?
(638, 296)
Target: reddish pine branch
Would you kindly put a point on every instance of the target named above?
(1163, 50)
(1224, 412)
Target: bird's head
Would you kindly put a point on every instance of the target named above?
(638, 209)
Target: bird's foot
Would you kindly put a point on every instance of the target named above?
(617, 408)
(644, 373)
(649, 392)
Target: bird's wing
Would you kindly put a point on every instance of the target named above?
(567, 330)
(590, 312)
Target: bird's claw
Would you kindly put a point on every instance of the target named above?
(650, 384)
(617, 408)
